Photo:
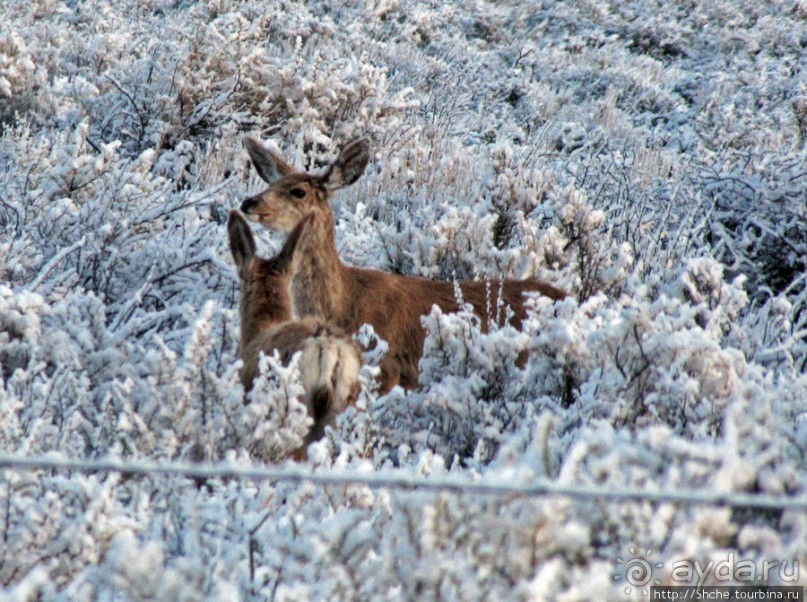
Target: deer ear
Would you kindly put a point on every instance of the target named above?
(349, 166)
(242, 243)
(269, 165)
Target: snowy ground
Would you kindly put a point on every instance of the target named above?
(650, 157)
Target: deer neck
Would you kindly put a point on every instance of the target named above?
(263, 306)
(321, 283)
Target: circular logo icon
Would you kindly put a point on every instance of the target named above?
(636, 571)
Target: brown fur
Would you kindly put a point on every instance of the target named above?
(348, 296)
(330, 360)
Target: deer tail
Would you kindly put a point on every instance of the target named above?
(321, 403)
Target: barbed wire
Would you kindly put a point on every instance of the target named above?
(397, 480)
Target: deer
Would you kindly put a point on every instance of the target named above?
(330, 360)
(349, 296)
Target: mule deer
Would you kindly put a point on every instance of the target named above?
(348, 296)
(329, 362)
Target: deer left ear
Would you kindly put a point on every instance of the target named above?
(242, 243)
(349, 166)
(269, 165)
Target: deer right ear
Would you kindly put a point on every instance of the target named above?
(349, 166)
(267, 163)
(242, 243)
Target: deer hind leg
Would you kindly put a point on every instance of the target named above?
(345, 375)
(390, 374)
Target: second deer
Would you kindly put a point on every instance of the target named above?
(329, 362)
(348, 296)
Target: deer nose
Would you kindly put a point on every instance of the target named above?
(249, 204)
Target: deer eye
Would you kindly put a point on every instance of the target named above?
(297, 193)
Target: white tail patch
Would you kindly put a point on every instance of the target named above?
(331, 363)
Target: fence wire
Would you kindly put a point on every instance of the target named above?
(392, 479)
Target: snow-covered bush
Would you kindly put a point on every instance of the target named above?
(473, 394)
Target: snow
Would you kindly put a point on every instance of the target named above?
(648, 157)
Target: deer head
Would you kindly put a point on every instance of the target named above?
(294, 194)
